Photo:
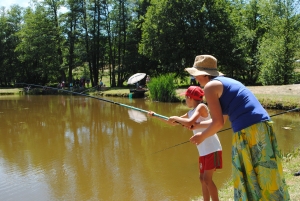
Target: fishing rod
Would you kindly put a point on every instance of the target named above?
(295, 109)
(94, 97)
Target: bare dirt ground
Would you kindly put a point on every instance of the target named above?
(292, 89)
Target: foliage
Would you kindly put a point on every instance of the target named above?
(163, 88)
(9, 26)
(278, 46)
(297, 78)
(174, 32)
(249, 31)
(255, 41)
(37, 48)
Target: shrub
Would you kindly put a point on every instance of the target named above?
(297, 78)
(163, 88)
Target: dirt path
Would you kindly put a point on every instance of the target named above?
(292, 89)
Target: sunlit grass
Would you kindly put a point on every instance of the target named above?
(5, 91)
(277, 101)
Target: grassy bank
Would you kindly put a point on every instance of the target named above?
(271, 97)
(10, 91)
(269, 101)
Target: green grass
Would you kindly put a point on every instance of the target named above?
(10, 91)
(273, 101)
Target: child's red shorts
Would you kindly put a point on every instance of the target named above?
(210, 161)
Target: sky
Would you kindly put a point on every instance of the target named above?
(23, 3)
(8, 3)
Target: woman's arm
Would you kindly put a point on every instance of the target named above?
(213, 90)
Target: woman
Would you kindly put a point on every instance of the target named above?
(257, 168)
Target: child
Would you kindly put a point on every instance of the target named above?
(210, 150)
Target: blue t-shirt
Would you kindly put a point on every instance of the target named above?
(240, 104)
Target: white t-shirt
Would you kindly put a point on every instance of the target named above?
(210, 144)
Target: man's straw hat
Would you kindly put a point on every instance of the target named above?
(204, 65)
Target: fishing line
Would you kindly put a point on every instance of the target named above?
(94, 97)
(295, 109)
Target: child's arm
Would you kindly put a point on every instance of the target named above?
(200, 110)
(151, 114)
(202, 124)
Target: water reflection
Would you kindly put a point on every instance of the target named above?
(78, 148)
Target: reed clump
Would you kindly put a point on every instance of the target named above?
(163, 88)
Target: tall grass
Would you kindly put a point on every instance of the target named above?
(163, 88)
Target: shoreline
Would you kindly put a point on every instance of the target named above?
(283, 97)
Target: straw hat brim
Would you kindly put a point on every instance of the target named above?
(195, 72)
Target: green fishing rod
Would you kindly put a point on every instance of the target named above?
(292, 110)
(97, 98)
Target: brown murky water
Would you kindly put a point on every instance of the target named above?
(78, 148)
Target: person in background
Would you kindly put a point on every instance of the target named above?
(100, 85)
(83, 82)
(63, 84)
(257, 167)
(147, 79)
(193, 81)
(77, 82)
(210, 150)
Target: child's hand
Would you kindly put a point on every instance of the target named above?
(194, 126)
(191, 128)
(172, 119)
(151, 113)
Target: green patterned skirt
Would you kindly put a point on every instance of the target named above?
(257, 167)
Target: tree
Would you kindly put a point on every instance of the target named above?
(37, 49)
(174, 32)
(10, 24)
(278, 45)
(249, 32)
(72, 28)
(52, 7)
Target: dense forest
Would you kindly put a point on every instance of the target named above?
(255, 41)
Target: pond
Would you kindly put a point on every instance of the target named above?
(79, 148)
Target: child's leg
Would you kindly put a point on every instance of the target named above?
(205, 192)
(210, 185)
(207, 165)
